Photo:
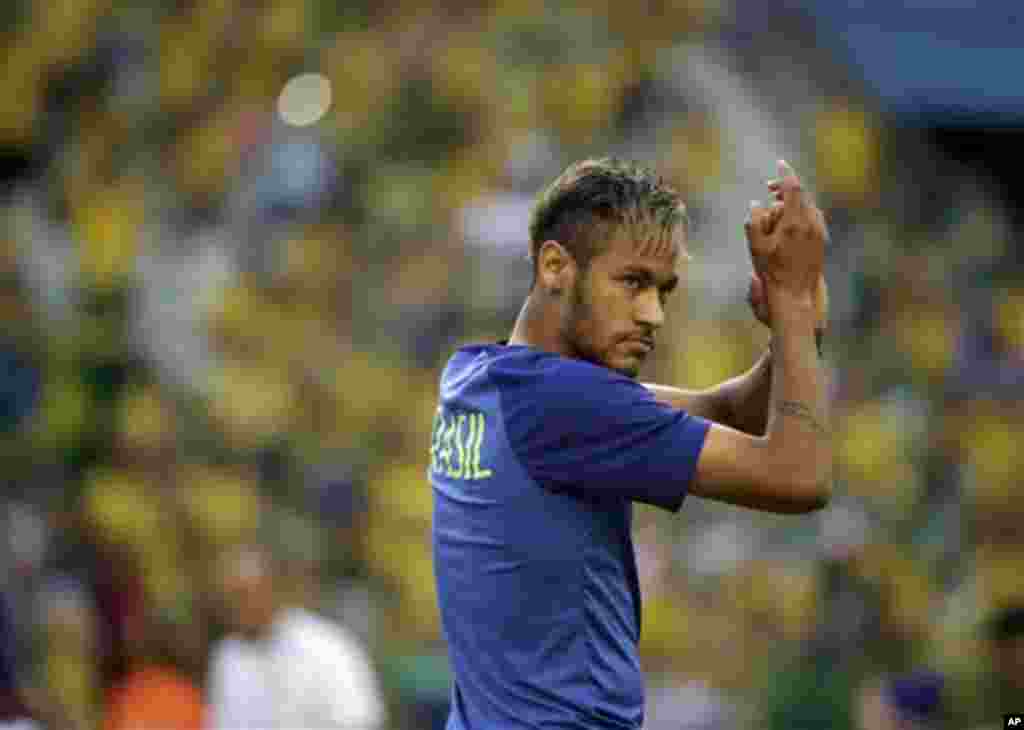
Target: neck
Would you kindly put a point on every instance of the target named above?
(537, 324)
(264, 628)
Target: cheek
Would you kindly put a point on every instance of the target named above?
(587, 321)
(596, 319)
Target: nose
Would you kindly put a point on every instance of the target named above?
(649, 310)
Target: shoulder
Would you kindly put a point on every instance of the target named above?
(225, 662)
(225, 651)
(558, 379)
(319, 634)
(225, 647)
(535, 384)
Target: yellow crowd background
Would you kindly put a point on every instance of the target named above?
(226, 327)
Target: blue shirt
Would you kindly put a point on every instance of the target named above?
(535, 461)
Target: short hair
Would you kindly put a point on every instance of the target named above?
(249, 561)
(583, 205)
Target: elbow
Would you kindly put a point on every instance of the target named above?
(815, 493)
(804, 499)
(803, 495)
(811, 483)
(819, 497)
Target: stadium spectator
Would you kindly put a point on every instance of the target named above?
(158, 691)
(282, 666)
(73, 697)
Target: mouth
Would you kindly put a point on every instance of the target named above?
(644, 343)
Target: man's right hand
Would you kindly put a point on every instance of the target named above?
(787, 241)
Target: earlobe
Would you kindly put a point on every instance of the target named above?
(554, 265)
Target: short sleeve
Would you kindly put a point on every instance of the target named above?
(586, 430)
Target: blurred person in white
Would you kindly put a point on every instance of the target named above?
(283, 666)
(693, 706)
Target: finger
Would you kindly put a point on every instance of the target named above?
(790, 187)
(748, 224)
(772, 218)
(755, 298)
(756, 292)
(754, 226)
(823, 223)
(754, 205)
(822, 302)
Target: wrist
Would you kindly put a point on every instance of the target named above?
(790, 312)
(819, 344)
(779, 298)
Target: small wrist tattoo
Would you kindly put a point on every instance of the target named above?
(799, 410)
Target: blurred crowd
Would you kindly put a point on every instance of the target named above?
(221, 329)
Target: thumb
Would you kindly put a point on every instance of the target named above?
(758, 241)
(756, 288)
(755, 298)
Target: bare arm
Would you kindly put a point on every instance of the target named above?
(740, 403)
(788, 469)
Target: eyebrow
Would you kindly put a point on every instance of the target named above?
(670, 283)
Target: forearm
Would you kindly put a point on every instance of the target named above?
(740, 402)
(797, 429)
(745, 398)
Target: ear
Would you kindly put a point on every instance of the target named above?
(556, 268)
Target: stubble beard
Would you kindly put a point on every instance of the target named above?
(575, 332)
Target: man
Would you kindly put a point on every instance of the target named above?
(542, 442)
(285, 667)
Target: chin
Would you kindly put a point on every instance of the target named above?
(629, 368)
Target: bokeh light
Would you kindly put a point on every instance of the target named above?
(305, 99)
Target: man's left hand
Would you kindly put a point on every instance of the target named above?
(755, 294)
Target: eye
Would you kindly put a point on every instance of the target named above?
(633, 282)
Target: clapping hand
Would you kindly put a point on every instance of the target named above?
(786, 242)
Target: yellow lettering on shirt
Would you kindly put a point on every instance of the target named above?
(454, 450)
(456, 437)
(478, 471)
(435, 440)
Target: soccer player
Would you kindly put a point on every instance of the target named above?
(542, 442)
